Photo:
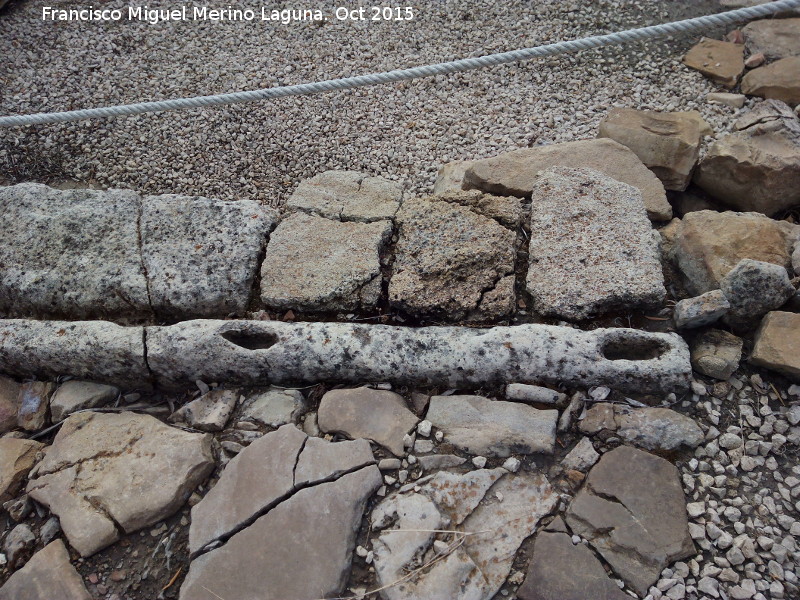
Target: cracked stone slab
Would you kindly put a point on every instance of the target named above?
(93, 350)
(348, 196)
(449, 257)
(317, 264)
(110, 474)
(493, 427)
(265, 474)
(71, 253)
(201, 255)
(49, 574)
(317, 528)
(633, 512)
(592, 248)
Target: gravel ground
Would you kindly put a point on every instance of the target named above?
(261, 151)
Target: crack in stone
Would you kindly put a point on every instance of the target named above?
(141, 255)
(100, 455)
(297, 462)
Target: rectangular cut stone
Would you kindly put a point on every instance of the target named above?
(70, 253)
(592, 249)
(201, 255)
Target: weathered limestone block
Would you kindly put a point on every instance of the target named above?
(777, 344)
(592, 249)
(722, 62)
(774, 38)
(776, 81)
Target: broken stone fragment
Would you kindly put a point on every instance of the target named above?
(17, 457)
(209, 412)
(48, 574)
(34, 405)
(9, 403)
(492, 427)
(274, 407)
(592, 249)
(777, 344)
(633, 512)
(753, 288)
(582, 457)
(18, 545)
(534, 394)
(450, 177)
(717, 353)
(726, 99)
(347, 196)
(75, 395)
(317, 264)
(378, 415)
(701, 310)
(774, 38)
(110, 474)
(514, 173)
(722, 62)
(776, 81)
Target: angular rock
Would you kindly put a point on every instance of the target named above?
(700, 310)
(77, 395)
(434, 462)
(348, 196)
(110, 474)
(209, 412)
(18, 545)
(710, 244)
(514, 173)
(450, 177)
(753, 288)
(776, 81)
(448, 258)
(201, 255)
(534, 394)
(757, 167)
(592, 249)
(48, 574)
(17, 457)
(561, 570)
(493, 427)
(582, 457)
(9, 403)
(266, 473)
(659, 429)
(717, 354)
(71, 253)
(727, 99)
(722, 62)
(274, 407)
(378, 415)
(633, 512)
(774, 38)
(317, 264)
(777, 344)
(34, 404)
(312, 562)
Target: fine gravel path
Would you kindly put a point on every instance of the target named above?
(261, 151)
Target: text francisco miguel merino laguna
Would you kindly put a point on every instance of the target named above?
(180, 13)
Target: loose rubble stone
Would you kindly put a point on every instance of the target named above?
(71, 253)
(592, 249)
(265, 473)
(514, 173)
(317, 264)
(347, 196)
(77, 395)
(378, 415)
(17, 458)
(18, 545)
(450, 259)
(311, 562)
(110, 474)
(777, 344)
(48, 574)
(776, 81)
(726, 99)
(534, 394)
(758, 166)
(722, 62)
(582, 457)
(701, 310)
(274, 407)
(493, 427)
(9, 403)
(200, 255)
(659, 429)
(209, 412)
(633, 512)
(34, 404)
(774, 38)
(710, 244)
(450, 177)
(717, 353)
(753, 288)
(561, 570)
(667, 143)
(434, 462)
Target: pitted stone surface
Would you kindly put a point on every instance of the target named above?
(110, 474)
(592, 249)
(48, 575)
(514, 173)
(201, 255)
(348, 196)
(754, 288)
(449, 256)
(72, 253)
(317, 264)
